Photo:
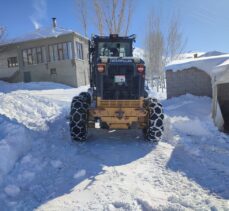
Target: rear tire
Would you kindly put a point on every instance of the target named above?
(78, 119)
(155, 127)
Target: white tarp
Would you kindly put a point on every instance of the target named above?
(220, 76)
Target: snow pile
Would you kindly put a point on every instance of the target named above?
(188, 123)
(9, 87)
(24, 109)
(22, 106)
(14, 142)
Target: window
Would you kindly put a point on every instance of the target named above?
(33, 56)
(79, 50)
(53, 71)
(60, 51)
(12, 62)
(39, 56)
(116, 49)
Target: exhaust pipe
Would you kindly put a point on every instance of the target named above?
(54, 23)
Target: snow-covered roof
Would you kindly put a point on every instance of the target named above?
(211, 53)
(41, 33)
(208, 64)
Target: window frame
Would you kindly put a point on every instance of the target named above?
(79, 50)
(30, 55)
(12, 62)
(60, 51)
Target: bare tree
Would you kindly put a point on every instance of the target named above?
(129, 15)
(113, 16)
(2, 33)
(99, 16)
(83, 14)
(162, 47)
(154, 47)
(2, 38)
(175, 42)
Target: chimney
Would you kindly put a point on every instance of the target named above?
(54, 23)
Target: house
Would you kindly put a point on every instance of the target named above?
(48, 54)
(205, 76)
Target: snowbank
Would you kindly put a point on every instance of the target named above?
(25, 109)
(15, 140)
(32, 112)
(9, 87)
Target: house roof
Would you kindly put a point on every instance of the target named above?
(217, 67)
(42, 33)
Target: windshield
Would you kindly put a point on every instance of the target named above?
(115, 49)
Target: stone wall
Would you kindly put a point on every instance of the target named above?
(192, 81)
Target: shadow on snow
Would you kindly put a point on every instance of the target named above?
(208, 169)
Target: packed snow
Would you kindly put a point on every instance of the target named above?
(42, 169)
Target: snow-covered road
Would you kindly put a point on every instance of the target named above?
(42, 169)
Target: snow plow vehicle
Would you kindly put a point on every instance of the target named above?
(116, 98)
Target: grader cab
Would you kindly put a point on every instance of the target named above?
(117, 98)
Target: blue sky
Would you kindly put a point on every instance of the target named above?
(205, 23)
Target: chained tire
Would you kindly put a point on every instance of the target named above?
(154, 130)
(86, 97)
(78, 119)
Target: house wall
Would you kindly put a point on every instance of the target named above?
(5, 71)
(193, 81)
(73, 72)
(82, 66)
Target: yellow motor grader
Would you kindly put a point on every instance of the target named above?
(117, 98)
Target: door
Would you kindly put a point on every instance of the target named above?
(27, 77)
(223, 99)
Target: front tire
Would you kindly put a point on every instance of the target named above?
(155, 127)
(78, 119)
(86, 97)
